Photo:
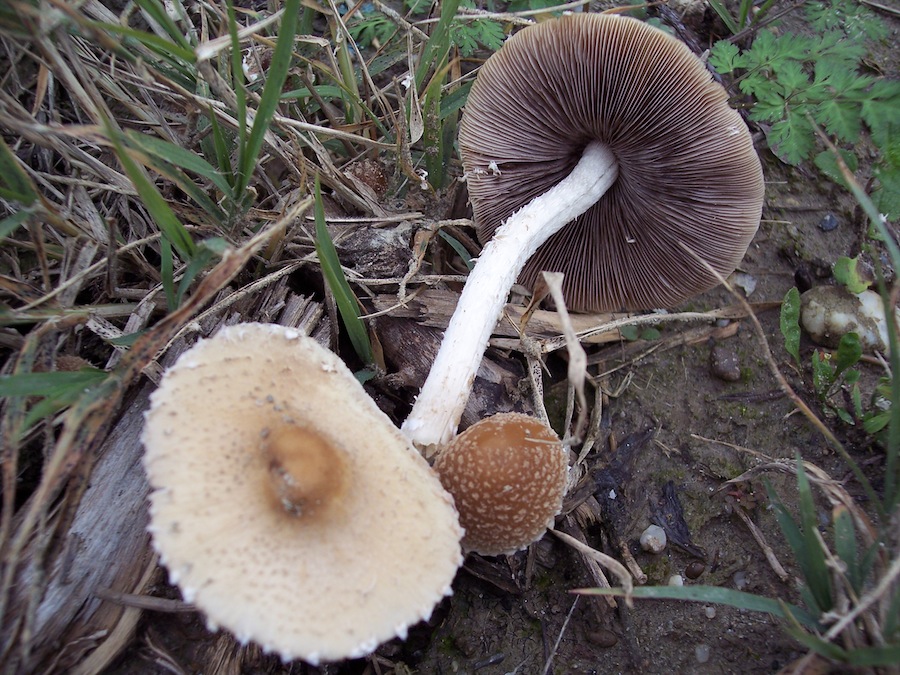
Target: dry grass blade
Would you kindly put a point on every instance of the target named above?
(577, 369)
(606, 561)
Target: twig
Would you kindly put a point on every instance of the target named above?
(577, 370)
(559, 637)
(608, 562)
(766, 549)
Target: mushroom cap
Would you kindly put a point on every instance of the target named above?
(507, 474)
(688, 173)
(240, 423)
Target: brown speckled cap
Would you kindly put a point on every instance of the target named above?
(688, 173)
(286, 505)
(507, 474)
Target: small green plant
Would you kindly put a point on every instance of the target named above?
(846, 273)
(747, 15)
(347, 304)
(832, 372)
(794, 83)
(468, 35)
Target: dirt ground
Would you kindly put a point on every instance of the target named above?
(671, 425)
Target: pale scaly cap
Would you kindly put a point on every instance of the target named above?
(507, 474)
(285, 504)
(689, 178)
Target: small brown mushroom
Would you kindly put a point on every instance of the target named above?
(286, 505)
(507, 474)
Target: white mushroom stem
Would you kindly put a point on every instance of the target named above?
(439, 406)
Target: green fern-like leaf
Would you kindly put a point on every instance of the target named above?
(725, 57)
(848, 16)
(792, 139)
(471, 36)
(840, 119)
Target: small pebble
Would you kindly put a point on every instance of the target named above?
(828, 223)
(827, 313)
(710, 612)
(653, 539)
(676, 580)
(702, 653)
(740, 580)
(746, 282)
(694, 570)
(724, 364)
(602, 638)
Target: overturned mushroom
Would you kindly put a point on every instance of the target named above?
(286, 505)
(507, 474)
(604, 145)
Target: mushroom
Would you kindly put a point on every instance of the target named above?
(286, 505)
(604, 145)
(507, 474)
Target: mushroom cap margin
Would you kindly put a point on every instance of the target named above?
(320, 591)
(688, 172)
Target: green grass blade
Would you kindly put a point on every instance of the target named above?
(816, 644)
(744, 12)
(862, 657)
(812, 560)
(207, 251)
(716, 595)
(237, 83)
(459, 248)
(158, 13)
(156, 205)
(762, 10)
(326, 91)
(438, 45)
(453, 102)
(337, 283)
(167, 272)
(56, 389)
(186, 185)
(433, 137)
(12, 223)
(807, 559)
(867, 657)
(892, 449)
(222, 151)
(352, 101)
(49, 384)
(722, 12)
(268, 102)
(15, 184)
(180, 157)
(158, 45)
(845, 545)
(788, 527)
(790, 323)
(891, 624)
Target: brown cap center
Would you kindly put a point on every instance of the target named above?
(306, 472)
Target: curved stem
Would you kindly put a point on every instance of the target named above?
(438, 408)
